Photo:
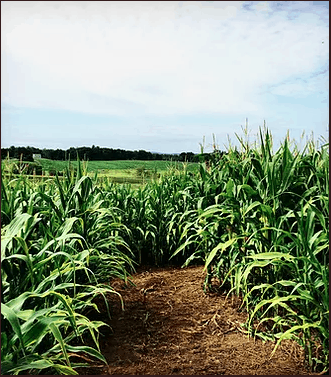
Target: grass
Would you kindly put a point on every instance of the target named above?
(113, 166)
(122, 171)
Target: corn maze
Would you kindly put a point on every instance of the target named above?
(257, 219)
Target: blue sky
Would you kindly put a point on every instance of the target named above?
(160, 76)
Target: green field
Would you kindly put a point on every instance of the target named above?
(258, 219)
(121, 171)
(106, 166)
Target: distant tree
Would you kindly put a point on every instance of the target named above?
(47, 153)
(93, 153)
(4, 152)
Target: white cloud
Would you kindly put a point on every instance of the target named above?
(157, 57)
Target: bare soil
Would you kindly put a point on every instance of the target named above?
(171, 327)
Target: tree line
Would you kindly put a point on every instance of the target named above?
(93, 153)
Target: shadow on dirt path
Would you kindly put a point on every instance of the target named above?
(171, 327)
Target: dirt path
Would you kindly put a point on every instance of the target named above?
(174, 328)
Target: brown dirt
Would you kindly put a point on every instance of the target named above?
(170, 326)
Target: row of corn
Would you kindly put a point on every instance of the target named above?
(257, 219)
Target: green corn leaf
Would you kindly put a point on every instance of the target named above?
(57, 335)
(88, 350)
(248, 189)
(34, 362)
(290, 332)
(211, 211)
(272, 256)
(220, 247)
(230, 188)
(11, 316)
(189, 241)
(250, 207)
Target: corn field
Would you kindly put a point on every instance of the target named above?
(257, 219)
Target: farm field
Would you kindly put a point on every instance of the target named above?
(94, 166)
(250, 231)
(120, 171)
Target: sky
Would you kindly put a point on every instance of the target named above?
(162, 76)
